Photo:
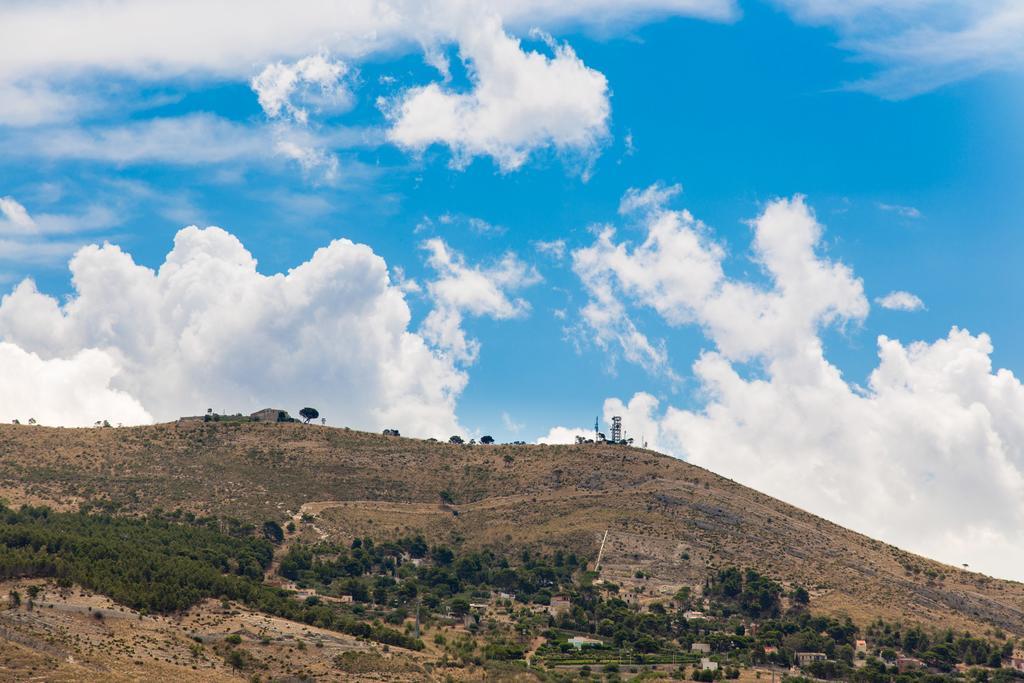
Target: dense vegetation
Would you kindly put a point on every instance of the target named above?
(170, 562)
(435, 582)
(159, 565)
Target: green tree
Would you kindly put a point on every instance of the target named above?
(272, 531)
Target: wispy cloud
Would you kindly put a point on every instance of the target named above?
(920, 45)
(900, 301)
(905, 211)
(553, 248)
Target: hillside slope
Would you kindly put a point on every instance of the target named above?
(667, 521)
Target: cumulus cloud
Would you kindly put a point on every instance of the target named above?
(287, 90)
(206, 329)
(920, 45)
(520, 101)
(936, 422)
(900, 301)
(460, 288)
(73, 391)
(565, 435)
(677, 272)
(639, 420)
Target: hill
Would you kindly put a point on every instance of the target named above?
(668, 522)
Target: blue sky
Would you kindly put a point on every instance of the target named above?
(910, 159)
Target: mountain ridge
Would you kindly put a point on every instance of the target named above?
(669, 522)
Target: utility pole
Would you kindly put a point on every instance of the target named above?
(600, 553)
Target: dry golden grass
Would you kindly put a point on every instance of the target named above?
(60, 639)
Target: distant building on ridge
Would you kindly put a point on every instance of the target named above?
(271, 415)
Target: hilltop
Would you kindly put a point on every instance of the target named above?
(668, 522)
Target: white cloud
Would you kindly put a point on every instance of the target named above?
(53, 55)
(520, 101)
(25, 252)
(74, 392)
(314, 161)
(639, 422)
(287, 91)
(652, 198)
(565, 435)
(479, 291)
(15, 217)
(155, 39)
(554, 248)
(27, 240)
(194, 140)
(17, 220)
(315, 81)
(207, 330)
(677, 272)
(185, 140)
(935, 423)
(35, 103)
(920, 45)
(511, 426)
(482, 227)
(900, 301)
(905, 211)
(474, 224)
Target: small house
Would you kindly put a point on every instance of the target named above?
(580, 642)
(1017, 659)
(905, 664)
(861, 646)
(771, 650)
(343, 599)
(560, 604)
(805, 658)
(701, 647)
(271, 415)
(693, 614)
(708, 665)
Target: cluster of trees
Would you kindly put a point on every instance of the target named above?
(486, 440)
(746, 592)
(159, 565)
(942, 650)
(376, 573)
